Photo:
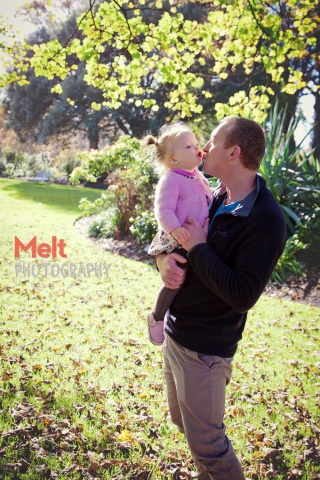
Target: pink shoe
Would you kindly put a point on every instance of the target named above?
(155, 329)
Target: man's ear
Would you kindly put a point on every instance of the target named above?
(235, 151)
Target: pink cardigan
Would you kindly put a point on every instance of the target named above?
(178, 197)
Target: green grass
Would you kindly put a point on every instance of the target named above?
(81, 387)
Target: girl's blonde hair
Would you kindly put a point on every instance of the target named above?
(163, 146)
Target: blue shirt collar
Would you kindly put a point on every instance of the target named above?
(243, 207)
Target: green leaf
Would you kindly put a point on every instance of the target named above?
(96, 106)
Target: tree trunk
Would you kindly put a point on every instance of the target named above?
(290, 102)
(93, 135)
(122, 126)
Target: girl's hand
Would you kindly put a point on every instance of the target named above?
(180, 234)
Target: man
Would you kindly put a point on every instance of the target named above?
(229, 268)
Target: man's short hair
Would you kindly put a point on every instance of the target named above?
(250, 137)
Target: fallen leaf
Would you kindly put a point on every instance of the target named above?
(93, 467)
(125, 436)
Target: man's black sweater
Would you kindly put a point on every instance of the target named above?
(228, 274)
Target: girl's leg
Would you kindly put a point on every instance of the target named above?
(164, 299)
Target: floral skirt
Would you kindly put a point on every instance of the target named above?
(163, 242)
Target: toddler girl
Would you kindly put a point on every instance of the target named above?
(181, 192)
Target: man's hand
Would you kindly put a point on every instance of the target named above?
(172, 275)
(198, 234)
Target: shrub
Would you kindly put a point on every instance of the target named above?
(15, 164)
(123, 153)
(292, 176)
(309, 234)
(309, 190)
(18, 164)
(16, 158)
(131, 188)
(131, 181)
(42, 162)
(144, 226)
(3, 166)
(57, 176)
(104, 202)
(104, 225)
(33, 166)
(79, 174)
(10, 169)
(288, 263)
(70, 165)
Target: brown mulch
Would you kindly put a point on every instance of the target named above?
(304, 289)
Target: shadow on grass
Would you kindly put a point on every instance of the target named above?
(60, 197)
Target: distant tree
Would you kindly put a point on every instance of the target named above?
(195, 58)
(73, 105)
(6, 34)
(35, 111)
(26, 105)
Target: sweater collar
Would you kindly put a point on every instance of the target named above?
(184, 172)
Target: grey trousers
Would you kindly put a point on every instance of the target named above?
(196, 390)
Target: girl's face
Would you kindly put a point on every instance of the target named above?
(186, 152)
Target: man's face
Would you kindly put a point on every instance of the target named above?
(215, 154)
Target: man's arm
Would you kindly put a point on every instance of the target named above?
(241, 282)
(172, 275)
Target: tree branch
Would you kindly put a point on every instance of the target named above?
(258, 21)
(91, 4)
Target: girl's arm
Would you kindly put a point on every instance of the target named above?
(166, 199)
